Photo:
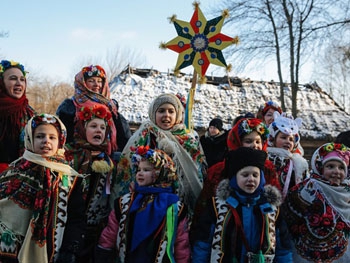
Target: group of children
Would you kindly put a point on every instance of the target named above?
(161, 203)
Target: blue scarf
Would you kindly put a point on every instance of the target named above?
(148, 219)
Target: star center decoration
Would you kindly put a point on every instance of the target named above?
(199, 42)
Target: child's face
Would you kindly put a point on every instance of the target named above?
(284, 141)
(145, 174)
(96, 131)
(248, 179)
(46, 140)
(166, 116)
(268, 117)
(94, 84)
(334, 172)
(252, 140)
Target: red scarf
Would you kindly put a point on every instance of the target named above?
(14, 114)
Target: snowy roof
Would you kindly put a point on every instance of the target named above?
(322, 117)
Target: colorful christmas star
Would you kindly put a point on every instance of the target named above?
(199, 42)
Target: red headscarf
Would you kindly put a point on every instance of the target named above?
(83, 97)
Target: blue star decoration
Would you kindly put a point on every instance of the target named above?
(199, 42)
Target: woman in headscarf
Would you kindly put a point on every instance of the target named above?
(14, 111)
(91, 87)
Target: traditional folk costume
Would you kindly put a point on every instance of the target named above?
(40, 203)
(318, 213)
(183, 147)
(291, 167)
(83, 97)
(99, 169)
(237, 226)
(149, 224)
(14, 115)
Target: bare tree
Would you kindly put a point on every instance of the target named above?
(45, 97)
(334, 75)
(114, 61)
(284, 31)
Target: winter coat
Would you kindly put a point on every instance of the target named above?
(214, 147)
(40, 217)
(218, 238)
(153, 249)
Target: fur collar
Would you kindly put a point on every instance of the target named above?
(271, 193)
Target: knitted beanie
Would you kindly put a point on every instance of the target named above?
(216, 122)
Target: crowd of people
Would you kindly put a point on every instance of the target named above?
(79, 187)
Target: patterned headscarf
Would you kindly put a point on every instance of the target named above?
(40, 119)
(163, 164)
(244, 127)
(83, 97)
(166, 98)
(327, 152)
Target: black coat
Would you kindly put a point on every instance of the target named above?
(214, 147)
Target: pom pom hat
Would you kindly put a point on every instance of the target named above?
(327, 152)
(216, 122)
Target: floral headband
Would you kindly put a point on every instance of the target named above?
(97, 111)
(161, 161)
(243, 127)
(94, 71)
(6, 64)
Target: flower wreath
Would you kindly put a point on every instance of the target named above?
(6, 64)
(94, 71)
(97, 111)
(247, 126)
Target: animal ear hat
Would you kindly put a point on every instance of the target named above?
(286, 124)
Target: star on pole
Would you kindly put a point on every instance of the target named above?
(199, 42)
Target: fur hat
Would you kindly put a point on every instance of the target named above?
(6, 64)
(328, 152)
(243, 127)
(216, 122)
(286, 124)
(166, 98)
(242, 157)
